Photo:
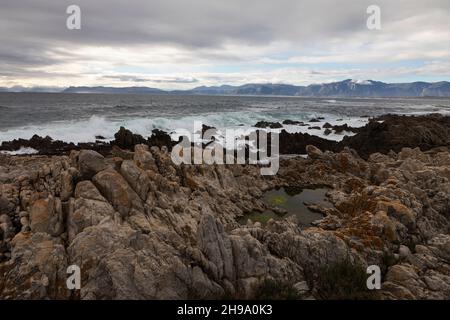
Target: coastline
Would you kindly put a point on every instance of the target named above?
(380, 134)
(135, 222)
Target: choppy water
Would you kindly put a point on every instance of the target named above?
(81, 117)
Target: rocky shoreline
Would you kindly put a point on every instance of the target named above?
(383, 134)
(141, 227)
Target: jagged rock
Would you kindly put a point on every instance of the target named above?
(399, 211)
(266, 124)
(66, 185)
(46, 216)
(344, 127)
(294, 122)
(39, 259)
(160, 139)
(217, 247)
(87, 209)
(295, 143)
(302, 287)
(118, 192)
(396, 132)
(143, 158)
(137, 178)
(44, 145)
(126, 139)
(90, 163)
(313, 152)
(144, 228)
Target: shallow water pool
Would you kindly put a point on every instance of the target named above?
(292, 200)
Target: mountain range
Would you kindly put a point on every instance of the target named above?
(345, 88)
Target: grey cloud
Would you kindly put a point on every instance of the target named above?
(196, 23)
(31, 32)
(176, 80)
(131, 78)
(126, 78)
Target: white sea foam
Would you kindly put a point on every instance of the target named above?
(21, 151)
(85, 130)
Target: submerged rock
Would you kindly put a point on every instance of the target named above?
(294, 122)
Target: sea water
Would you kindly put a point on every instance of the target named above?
(82, 117)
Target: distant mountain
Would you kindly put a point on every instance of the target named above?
(345, 88)
(224, 89)
(30, 89)
(112, 90)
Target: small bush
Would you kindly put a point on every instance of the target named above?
(271, 289)
(343, 280)
(357, 204)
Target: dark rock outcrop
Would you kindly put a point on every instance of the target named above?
(295, 143)
(126, 139)
(396, 132)
(159, 139)
(44, 145)
(267, 124)
(294, 122)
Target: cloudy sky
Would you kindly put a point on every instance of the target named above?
(177, 44)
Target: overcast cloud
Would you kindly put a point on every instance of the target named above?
(180, 44)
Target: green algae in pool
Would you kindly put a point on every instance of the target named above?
(291, 199)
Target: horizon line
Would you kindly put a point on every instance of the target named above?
(62, 88)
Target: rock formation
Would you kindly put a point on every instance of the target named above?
(140, 227)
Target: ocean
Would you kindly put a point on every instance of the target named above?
(82, 117)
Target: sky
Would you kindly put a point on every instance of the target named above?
(181, 44)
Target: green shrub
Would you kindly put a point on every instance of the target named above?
(271, 289)
(343, 280)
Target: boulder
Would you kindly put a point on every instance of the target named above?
(313, 152)
(118, 192)
(88, 208)
(90, 163)
(143, 158)
(46, 216)
(137, 178)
